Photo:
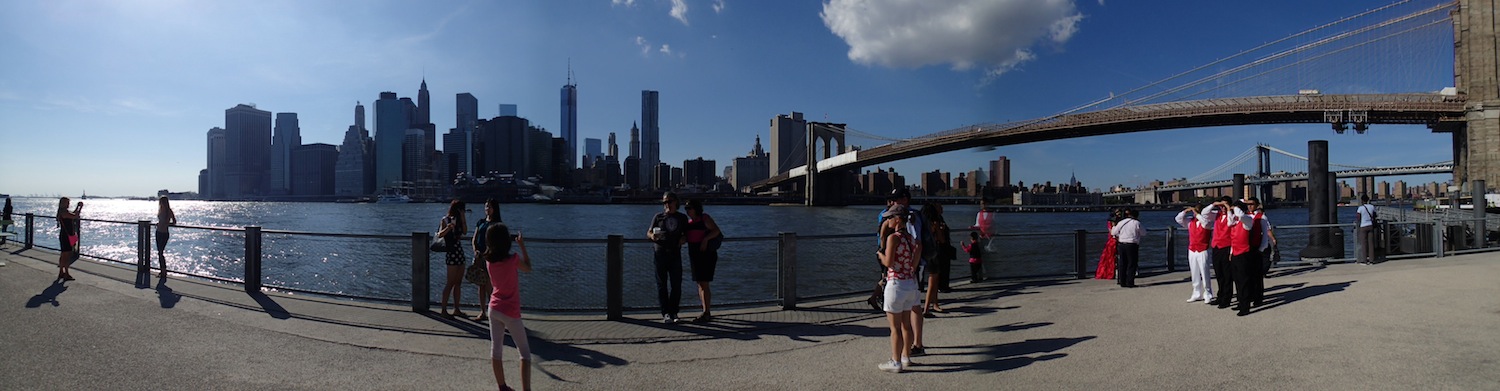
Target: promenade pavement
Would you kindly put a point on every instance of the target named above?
(1413, 324)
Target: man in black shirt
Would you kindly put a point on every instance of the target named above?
(667, 231)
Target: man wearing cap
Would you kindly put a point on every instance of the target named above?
(914, 224)
(667, 231)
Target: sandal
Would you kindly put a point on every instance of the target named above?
(481, 318)
(459, 314)
(447, 315)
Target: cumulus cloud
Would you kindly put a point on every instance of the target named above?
(644, 45)
(666, 49)
(679, 11)
(626, 3)
(993, 35)
(719, 6)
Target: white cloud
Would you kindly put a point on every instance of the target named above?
(644, 45)
(718, 6)
(994, 35)
(626, 3)
(679, 11)
(666, 49)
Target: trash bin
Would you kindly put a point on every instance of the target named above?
(1336, 238)
(1457, 237)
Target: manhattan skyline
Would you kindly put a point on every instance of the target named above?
(115, 98)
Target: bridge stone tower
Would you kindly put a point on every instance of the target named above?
(1476, 73)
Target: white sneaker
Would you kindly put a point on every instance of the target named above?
(905, 362)
(1192, 299)
(1209, 301)
(891, 366)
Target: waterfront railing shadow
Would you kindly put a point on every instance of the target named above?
(615, 275)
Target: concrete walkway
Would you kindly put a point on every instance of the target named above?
(1401, 325)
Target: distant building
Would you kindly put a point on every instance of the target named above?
(1031, 198)
(650, 132)
(352, 169)
(413, 155)
(569, 121)
(500, 145)
(287, 137)
(662, 174)
(467, 110)
(247, 139)
(699, 172)
(788, 142)
(753, 167)
(593, 151)
(934, 182)
(632, 171)
(392, 120)
(314, 170)
(214, 176)
(1000, 172)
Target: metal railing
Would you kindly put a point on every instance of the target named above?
(784, 269)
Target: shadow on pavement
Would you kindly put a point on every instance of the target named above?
(48, 295)
(1294, 272)
(727, 327)
(1015, 327)
(1288, 297)
(165, 294)
(463, 324)
(1005, 357)
(269, 306)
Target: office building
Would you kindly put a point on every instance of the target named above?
(593, 152)
(314, 170)
(699, 172)
(391, 123)
(500, 146)
(753, 167)
(1000, 172)
(218, 165)
(467, 109)
(650, 133)
(248, 162)
(788, 142)
(286, 137)
(508, 111)
(569, 121)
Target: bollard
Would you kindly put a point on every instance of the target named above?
(786, 267)
(1477, 192)
(421, 289)
(1172, 249)
(1080, 237)
(252, 259)
(143, 247)
(614, 277)
(30, 230)
(1437, 240)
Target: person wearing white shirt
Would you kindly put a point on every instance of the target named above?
(1200, 233)
(1129, 234)
(1365, 255)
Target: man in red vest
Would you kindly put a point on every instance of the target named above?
(1245, 246)
(1200, 231)
(1219, 213)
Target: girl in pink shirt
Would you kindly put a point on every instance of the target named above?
(505, 302)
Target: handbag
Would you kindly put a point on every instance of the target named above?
(439, 244)
(477, 273)
(877, 299)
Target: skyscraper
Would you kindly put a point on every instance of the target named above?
(788, 142)
(509, 111)
(593, 151)
(218, 164)
(248, 139)
(753, 167)
(570, 121)
(467, 108)
(424, 105)
(634, 174)
(391, 123)
(287, 137)
(314, 169)
(650, 135)
(614, 149)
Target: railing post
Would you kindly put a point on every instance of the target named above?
(143, 247)
(1477, 192)
(252, 259)
(1080, 237)
(614, 277)
(1172, 249)
(1438, 230)
(421, 289)
(786, 268)
(30, 229)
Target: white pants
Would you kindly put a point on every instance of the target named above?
(1201, 268)
(501, 323)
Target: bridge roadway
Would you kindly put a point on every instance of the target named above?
(1426, 109)
(1399, 325)
(1301, 176)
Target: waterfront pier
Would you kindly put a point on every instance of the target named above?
(1404, 324)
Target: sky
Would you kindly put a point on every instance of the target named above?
(116, 98)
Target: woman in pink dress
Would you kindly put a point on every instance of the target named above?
(1106, 270)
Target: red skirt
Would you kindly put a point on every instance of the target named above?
(1106, 269)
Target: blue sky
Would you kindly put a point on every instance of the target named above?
(116, 97)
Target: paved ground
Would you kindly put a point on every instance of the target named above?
(1400, 325)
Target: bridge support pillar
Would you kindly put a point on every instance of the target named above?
(1318, 247)
(1476, 74)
